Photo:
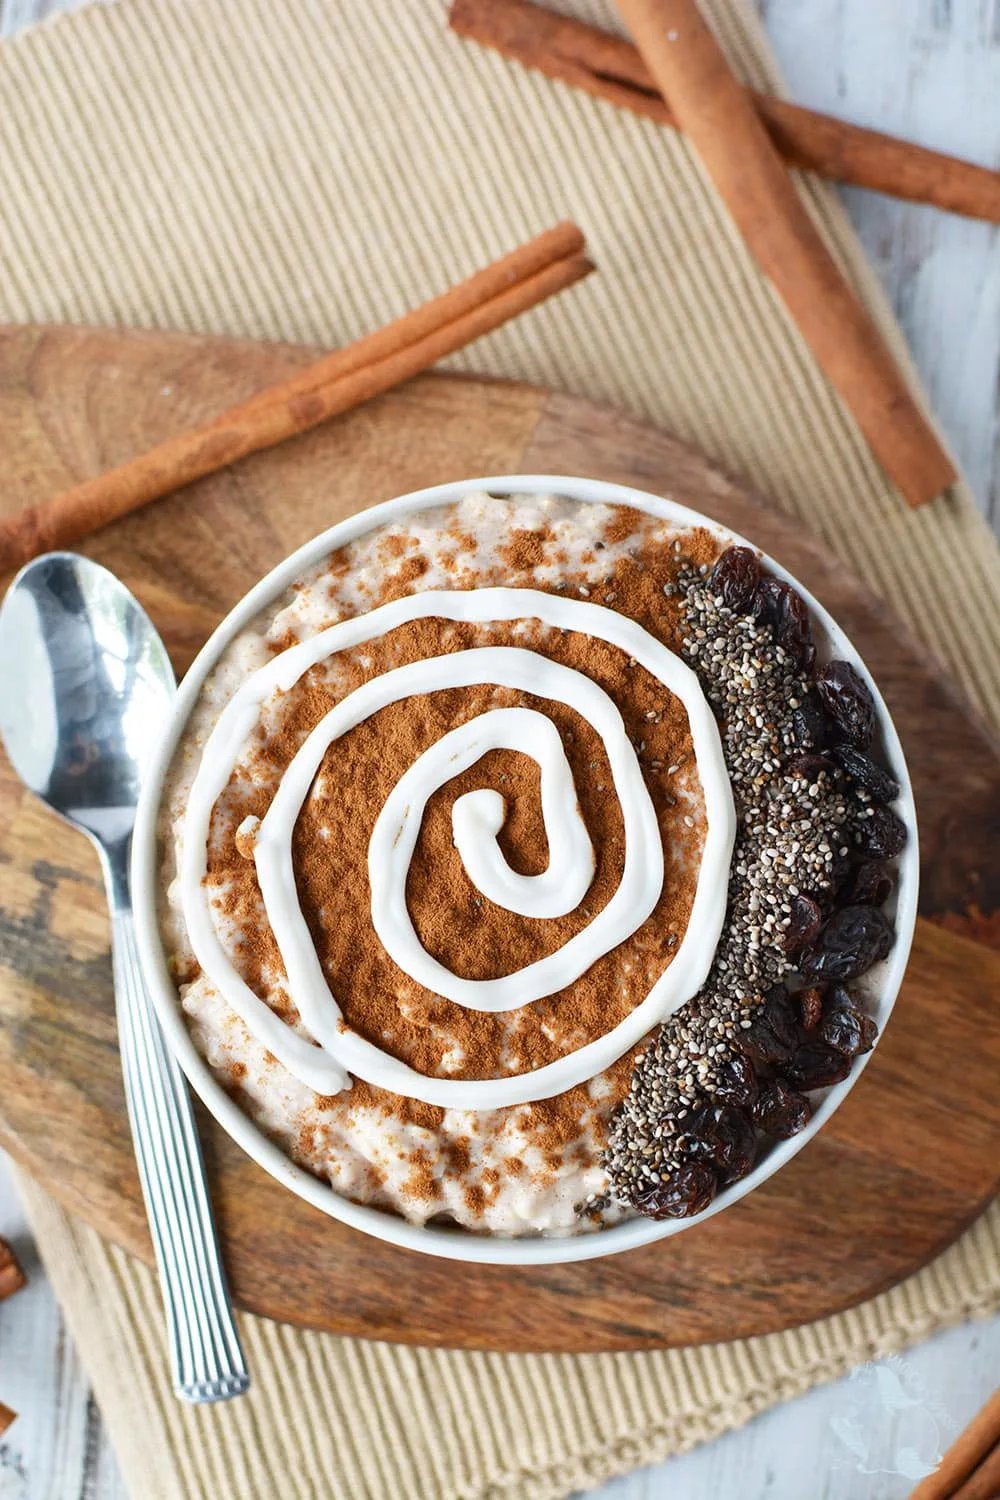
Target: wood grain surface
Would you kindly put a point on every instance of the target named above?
(909, 1159)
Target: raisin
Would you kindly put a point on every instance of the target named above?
(870, 884)
(780, 1011)
(792, 627)
(810, 729)
(882, 835)
(817, 1065)
(780, 1110)
(735, 577)
(847, 699)
(848, 1031)
(853, 939)
(842, 869)
(723, 1137)
(804, 922)
(774, 1033)
(862, 770)
(812, 766)
(685, 1192)
(762, 1045)
(698, 1140)
(736, 1081)
(810, 1003)
(737, 1145)
(766, 603)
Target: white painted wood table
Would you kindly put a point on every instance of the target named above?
(928, 70)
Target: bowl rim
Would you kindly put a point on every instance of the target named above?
(458, 1243)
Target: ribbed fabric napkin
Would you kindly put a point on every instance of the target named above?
(304, 172)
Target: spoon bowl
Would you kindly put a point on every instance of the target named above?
(88, 687)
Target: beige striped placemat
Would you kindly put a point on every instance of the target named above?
(303, 171)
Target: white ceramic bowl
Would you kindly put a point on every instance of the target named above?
(461, 1244)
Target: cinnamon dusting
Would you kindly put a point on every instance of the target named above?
(453, 921)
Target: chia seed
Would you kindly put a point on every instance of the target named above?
(788, 826)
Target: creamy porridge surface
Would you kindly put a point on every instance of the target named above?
(521, 1169)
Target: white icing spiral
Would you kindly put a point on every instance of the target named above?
(477, 818)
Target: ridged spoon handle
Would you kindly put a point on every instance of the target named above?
(206, 1358)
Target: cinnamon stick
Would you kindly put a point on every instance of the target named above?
(12, 1278)
(984, 1481)
(736, 151)
(965, 1460)
(545, 265)
(612, 69)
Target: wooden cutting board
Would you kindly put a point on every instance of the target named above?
(908, 1161)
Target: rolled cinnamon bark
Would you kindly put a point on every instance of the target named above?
(715, 112)
(967, 1460)
(12, 1278)
(610, 68)
(545, 265)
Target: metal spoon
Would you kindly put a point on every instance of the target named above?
(87, 685)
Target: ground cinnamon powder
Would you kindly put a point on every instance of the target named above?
(466, 932)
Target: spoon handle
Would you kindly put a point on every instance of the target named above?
(206, 1358)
